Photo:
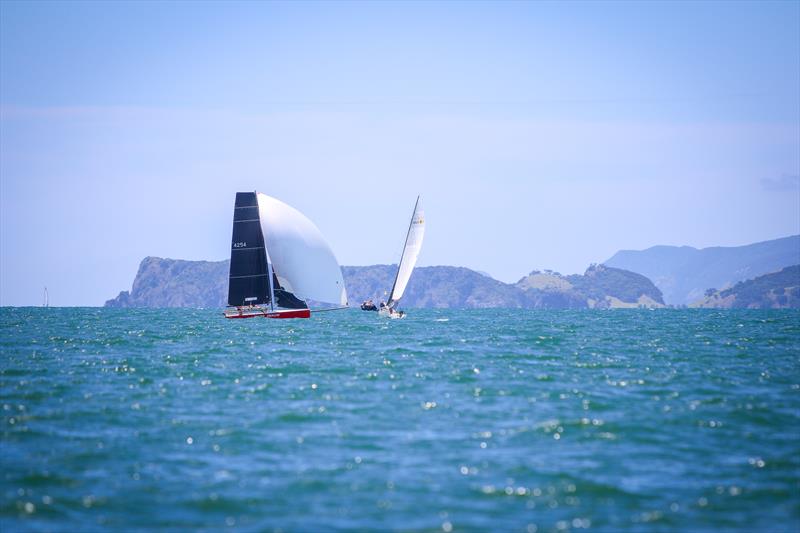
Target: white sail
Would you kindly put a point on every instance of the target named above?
(300, 256)
(416, 231)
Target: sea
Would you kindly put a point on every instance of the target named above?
(447, 420)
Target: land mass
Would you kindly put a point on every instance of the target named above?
(771, 291)
(684, 273)
(176, 283)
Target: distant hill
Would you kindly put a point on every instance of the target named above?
(176, 283)
(684, 273)
(770, 291)
(438, 286)
(599, 287)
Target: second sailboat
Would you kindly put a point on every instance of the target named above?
(413, 244)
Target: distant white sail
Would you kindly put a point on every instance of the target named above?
(416, 231)
(300, 257)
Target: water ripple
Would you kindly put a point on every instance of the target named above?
(444, 421)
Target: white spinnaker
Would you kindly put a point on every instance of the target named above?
(416, 231)
(302, 260)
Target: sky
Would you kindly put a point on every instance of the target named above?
(540, 135)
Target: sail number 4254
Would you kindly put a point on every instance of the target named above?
(240, 245)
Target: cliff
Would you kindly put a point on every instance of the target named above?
(176, 283)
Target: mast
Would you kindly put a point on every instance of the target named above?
(405, 244)
(271, 273)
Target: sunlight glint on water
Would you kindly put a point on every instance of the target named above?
(446, 420)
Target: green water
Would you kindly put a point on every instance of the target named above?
(670, 420)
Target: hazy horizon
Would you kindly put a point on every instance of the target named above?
(540, 135)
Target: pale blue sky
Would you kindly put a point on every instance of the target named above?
(541, 135)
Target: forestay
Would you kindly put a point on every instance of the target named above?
(300, 257)
(416, 231)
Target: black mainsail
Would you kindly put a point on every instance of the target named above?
(248, 282)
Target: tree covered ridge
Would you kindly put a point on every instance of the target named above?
(775, 290)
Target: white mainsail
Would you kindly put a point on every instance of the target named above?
(299, 255)
(416, 231)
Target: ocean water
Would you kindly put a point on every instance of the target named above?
(480, 420)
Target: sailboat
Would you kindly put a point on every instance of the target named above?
(416, 231)
(279, 262)
(46, 302)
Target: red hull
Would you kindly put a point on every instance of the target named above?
(247, 313)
